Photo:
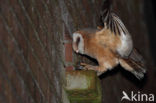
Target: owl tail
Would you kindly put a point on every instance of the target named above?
(134, 63)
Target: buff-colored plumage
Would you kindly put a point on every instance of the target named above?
(110, 46)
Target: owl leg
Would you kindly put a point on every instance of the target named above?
(98, 69)
(89, 67)
(106, 63)
(101, 70)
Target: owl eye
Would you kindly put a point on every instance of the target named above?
(77, 41)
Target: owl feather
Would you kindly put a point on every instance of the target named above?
(110, 46)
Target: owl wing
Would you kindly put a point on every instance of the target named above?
(115, 25)
(111, 20)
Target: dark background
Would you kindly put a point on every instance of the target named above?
(150, 16)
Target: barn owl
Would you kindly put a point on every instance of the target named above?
(110, 46)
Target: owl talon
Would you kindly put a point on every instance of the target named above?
(85, 69)
(83, 64)
(88, 67)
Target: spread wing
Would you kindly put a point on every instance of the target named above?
(115, 25)
(111, 20)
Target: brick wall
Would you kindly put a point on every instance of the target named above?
(34, 48)
(68, 52)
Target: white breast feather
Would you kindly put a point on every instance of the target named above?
(126, 45)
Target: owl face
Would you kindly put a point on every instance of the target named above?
(78, 43)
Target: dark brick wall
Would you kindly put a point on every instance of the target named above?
(31, 51)
(33, 47)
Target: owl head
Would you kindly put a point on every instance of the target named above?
(78, 43)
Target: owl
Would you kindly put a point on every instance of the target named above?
(110, 46)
